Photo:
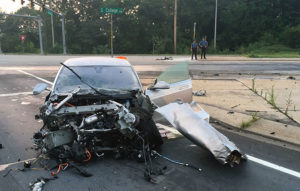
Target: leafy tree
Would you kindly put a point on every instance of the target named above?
(148, 24)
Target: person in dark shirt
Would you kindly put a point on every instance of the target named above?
(203, 45)
(194, 49)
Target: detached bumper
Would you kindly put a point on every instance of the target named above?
(193, 122)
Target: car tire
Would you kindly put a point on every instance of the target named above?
(151, 133)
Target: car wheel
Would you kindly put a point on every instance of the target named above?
(151, 132)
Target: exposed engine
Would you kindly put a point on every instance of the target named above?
(76, 126)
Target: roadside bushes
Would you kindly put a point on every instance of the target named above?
(291, 36)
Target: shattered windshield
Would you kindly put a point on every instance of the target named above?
(100, 77)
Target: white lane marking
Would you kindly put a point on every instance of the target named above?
(4, 166)
(43, 80)
(25, 103)
(274, 166)
(15, 94)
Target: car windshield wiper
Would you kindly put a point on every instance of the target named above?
(79, 77)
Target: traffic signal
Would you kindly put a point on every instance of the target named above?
(43, 5)
(22, 2)
(31, 4)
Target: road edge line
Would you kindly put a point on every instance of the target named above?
(15, 94)
(41, 79)
(274, 166)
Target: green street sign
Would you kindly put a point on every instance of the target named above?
(111, 10)
(50, 13)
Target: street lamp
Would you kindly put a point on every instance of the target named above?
(215, 35)
(175, 23)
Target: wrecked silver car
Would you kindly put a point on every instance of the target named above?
(97, 105)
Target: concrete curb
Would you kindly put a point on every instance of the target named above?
(230, 127)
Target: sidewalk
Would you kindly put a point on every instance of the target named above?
(231, 102)
(225, 58)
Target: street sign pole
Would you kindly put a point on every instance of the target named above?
(63, 33)
(111, 36)
(111, 11)
(40, 34)
(52, 29)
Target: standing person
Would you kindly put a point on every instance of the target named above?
(194, 49)
(203, 45)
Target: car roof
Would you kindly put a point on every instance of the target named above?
(100, 61)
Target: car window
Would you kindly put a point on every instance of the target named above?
(102, 77)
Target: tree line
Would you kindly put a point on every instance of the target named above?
(146, 26)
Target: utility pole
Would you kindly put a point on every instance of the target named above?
(216, 15)
(175, 25)
(194, 36)
(38, 18)
(111, 36)
(52, 24)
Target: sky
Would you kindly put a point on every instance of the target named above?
(9, 6)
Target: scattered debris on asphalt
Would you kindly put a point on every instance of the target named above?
(291, 78)
(200, 93)
(230, 112)
(27, 164)
(176, 162)
(38, 184)
(272, 133)
(165, 58)
(4, 175)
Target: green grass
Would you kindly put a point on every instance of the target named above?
(273, 51)
(272, 98)
(250, 122)
(275, 55)
(253, 86)
(289, 103)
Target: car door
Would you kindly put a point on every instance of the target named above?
(180, 85)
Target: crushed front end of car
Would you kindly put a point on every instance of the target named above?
(82, 123)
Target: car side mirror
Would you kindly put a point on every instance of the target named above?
(39, 88)
(160, 85)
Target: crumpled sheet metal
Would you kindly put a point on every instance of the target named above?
(197, 129)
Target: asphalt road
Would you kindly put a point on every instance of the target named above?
(255, 66)
(277, 169)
